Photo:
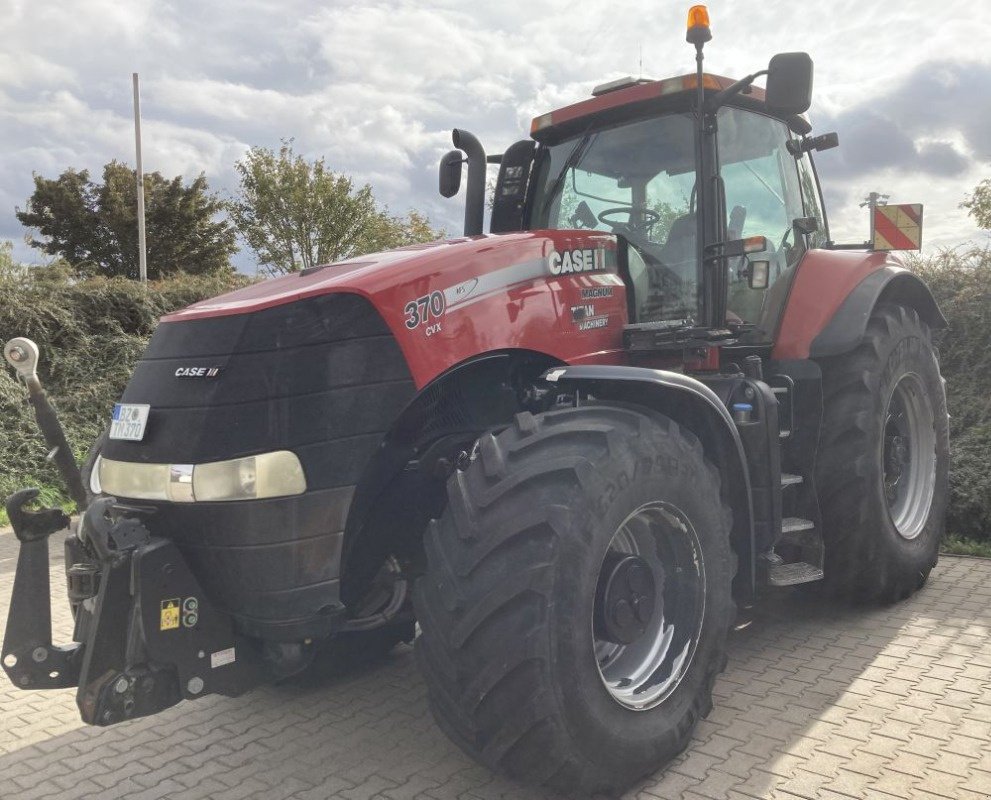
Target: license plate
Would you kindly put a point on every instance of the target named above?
(128, 421)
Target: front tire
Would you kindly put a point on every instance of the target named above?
(883, 461)
(547, 529)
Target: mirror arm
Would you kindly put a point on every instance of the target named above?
(731, 91)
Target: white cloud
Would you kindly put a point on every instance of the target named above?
(377, 86)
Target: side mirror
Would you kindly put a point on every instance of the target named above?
(450, 173)
(789, 83)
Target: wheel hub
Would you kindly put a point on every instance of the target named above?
(649, 606)
(627, 598)
(908, 455)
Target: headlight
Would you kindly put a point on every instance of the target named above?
(275, 474)
(94, 477)
(268, 475)
(137, 481)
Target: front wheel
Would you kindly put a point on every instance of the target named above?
(577, 598)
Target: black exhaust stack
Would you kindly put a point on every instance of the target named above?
(475, 191)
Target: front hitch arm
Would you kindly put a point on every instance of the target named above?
(28, 656)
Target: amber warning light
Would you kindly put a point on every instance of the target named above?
(698, 25)
(698, 15)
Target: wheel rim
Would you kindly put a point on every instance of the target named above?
(641, 671)
(909, 456)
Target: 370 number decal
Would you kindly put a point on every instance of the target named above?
(425, 309)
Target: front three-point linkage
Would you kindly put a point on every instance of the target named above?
(29, 657)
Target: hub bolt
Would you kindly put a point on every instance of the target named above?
(39, 654)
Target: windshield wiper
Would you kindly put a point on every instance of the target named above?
(576, 153)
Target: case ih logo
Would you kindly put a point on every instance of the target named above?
(569, 261)
(197, 372)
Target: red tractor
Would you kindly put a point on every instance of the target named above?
(573, 450)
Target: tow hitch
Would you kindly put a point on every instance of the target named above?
(146, 636)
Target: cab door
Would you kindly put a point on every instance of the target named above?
(763, 198)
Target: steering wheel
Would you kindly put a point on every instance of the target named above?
(650, 217)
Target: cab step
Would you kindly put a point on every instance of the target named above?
(795, 524)
(792, 574)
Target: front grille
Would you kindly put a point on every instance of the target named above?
(322, 377)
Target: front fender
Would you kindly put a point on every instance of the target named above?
(692, 404)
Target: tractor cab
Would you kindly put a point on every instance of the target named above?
(707, 183)
(631, 171)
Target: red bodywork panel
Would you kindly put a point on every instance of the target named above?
(823, 280)
(450, 300)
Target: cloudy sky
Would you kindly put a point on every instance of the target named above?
(375, 87)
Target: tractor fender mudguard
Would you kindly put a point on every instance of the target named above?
(848, 325)
(692, 404)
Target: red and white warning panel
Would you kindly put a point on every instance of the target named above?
(898, 227)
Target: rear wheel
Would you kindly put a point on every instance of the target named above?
(883, 460)
(577, 597)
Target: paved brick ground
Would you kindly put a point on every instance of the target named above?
(816, 702)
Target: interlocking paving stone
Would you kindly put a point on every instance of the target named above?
(818, 701)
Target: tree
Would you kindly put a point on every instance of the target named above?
(978, 204)
(94, 225)
(295, 214)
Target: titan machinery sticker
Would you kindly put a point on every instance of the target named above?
(586, 319)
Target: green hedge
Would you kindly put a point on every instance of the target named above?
(92, 331)
(961, 282)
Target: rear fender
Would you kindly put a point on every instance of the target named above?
(693, 405)
(890, 284)
(833, 294)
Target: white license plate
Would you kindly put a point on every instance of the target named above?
(128, 421)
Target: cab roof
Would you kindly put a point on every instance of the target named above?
(628, 97)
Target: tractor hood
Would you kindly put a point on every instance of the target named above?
(418, 264)
(418, 290)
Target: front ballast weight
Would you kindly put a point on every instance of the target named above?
(146, 636)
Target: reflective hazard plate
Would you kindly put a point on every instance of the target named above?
(128, 421)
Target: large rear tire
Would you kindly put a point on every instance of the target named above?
(577, 597)
(883, 461)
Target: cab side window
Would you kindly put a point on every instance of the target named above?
(763, 198)
(812, 200)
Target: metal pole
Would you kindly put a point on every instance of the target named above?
(142, 254)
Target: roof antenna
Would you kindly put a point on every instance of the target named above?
(640, 46)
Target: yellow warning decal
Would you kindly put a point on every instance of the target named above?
(170, 614)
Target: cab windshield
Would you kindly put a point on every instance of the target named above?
(636, 180)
